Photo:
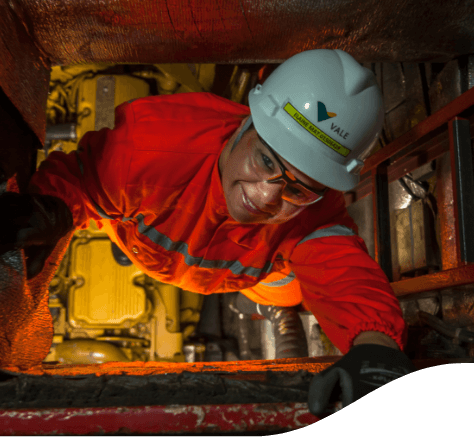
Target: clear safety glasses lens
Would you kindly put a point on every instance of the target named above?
(296, 193)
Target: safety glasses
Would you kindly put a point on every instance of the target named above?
(294, 191)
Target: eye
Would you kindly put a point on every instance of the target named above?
(294, 191)
(267, 161)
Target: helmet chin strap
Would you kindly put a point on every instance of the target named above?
(244, 129)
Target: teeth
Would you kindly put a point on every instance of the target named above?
(250, 204)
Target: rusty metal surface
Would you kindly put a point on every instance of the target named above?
(447, 224)
(25, 317)
(149, 31)
(435, 281)
(34, 33)
(155, 368)
(24, 68)
(458, 306)
(446, 84)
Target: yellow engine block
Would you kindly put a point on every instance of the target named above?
(104, 294)
(102, 310)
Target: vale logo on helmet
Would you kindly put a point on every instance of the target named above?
(323, 115)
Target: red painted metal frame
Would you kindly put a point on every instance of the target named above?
(183, 419)
(426, 141)
(430, 139)
(408, 143)
(265, 418)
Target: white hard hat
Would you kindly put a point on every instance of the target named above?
(322, 112)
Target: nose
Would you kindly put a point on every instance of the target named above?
(270, 193)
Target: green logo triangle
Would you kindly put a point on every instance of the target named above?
(323, 114)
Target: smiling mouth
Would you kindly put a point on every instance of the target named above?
(249, 206)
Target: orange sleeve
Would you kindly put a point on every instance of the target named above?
(346, 290)
(92, 179)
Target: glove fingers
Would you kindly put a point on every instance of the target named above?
(36, 257)
(327, 389)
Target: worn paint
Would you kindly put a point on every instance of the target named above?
(158, 419)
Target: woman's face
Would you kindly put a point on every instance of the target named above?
(244, 171)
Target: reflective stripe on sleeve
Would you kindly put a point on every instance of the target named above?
(280, 282)
(332, 231)
(181, 247)
(235, 266)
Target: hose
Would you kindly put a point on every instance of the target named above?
(290, 338)
(242, 332)
(243, 338)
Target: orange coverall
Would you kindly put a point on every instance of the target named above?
(153, 185)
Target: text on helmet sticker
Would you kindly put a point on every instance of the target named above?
(313, 130)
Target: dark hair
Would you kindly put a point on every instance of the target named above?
(250, 128)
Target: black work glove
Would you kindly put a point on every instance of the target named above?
(363, 369)
(33, 222)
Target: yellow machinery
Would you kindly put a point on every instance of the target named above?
(102, 310)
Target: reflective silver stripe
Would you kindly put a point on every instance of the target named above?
(166, 243)
(281, 282)
(101, 212)
(332, 231)
(179, 246)
(104, 215)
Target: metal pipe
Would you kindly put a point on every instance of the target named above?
(66, 131)
(463, 178)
